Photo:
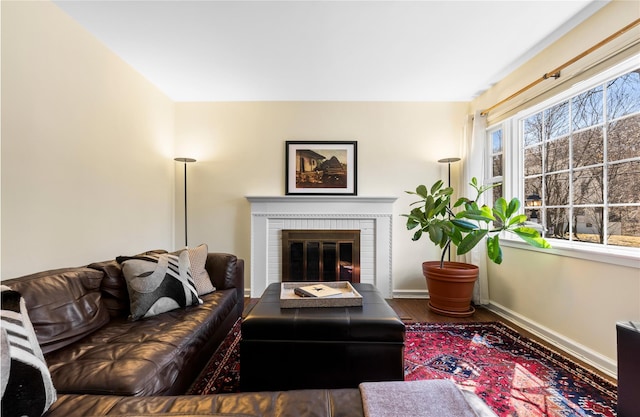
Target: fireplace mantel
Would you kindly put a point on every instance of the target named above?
(288, 203)
(271, 214)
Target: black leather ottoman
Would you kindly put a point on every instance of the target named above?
(328, 347)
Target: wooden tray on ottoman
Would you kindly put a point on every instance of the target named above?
(349, 298)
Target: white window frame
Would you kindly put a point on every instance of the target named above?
(513, 174)
(490, 178)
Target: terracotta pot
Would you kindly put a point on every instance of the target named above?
(450, 287)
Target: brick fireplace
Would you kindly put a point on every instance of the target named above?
(371, 216)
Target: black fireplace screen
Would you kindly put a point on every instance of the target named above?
(321, 255)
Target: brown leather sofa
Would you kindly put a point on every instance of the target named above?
(409, 399)
(103, 364)
(300, 403)
(91, 347)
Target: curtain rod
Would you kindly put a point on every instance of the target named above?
(555, 74)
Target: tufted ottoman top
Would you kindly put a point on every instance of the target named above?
(375, 321)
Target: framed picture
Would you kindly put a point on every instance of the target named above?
(323, 168)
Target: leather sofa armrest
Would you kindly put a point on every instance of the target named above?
(226, 271)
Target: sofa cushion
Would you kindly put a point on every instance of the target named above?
(115, 294)
(201, 278)
(64, 304)
(144, 357)
(27, 388)
(158, 283)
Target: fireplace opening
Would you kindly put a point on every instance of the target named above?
(321, 255)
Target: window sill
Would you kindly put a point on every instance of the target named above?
(629, 257)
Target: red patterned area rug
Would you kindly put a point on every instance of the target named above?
(516, 376)
(222, 373)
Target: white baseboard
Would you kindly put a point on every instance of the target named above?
(598, 361)
(410, 294)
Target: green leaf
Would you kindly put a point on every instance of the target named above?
(428, 206)
(487, 212)
(471, 240)
(414, 218)
(441, 206)
(412, 223)
(521, 218)
(500, 208)
(464, 225)
(417, 213)
(456, 236)
(435, 234)
(445, 192)
(421, 190)
(417, 235)
(532, 237)
(472, 205)
(494, 252)
(513, 207)
(479, 215)
(435, 187)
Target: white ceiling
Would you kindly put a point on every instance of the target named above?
(426, 50)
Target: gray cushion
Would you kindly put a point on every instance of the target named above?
(158, 283)
(430, 398)
(27, 388)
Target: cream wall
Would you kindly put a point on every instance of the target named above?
(87, 170)
(240, 149)
(87, 144)
(574, 302)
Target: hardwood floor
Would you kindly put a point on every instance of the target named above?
(417, 311)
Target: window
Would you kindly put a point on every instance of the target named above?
(495, 166)
(580, 163)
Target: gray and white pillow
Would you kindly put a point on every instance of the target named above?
(158, 283)
(27, 387)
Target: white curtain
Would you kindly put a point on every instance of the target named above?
(474, 166)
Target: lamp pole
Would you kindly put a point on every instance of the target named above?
(448, 161)
(185, 161)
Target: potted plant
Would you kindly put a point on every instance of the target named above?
(451, 284)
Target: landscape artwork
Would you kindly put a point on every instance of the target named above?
(321, 168)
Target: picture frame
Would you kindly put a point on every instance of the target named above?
(321, 167)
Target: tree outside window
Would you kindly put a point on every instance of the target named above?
(581, 165)
(495, 174)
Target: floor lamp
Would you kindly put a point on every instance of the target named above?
(185, 161)
(448, 161)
